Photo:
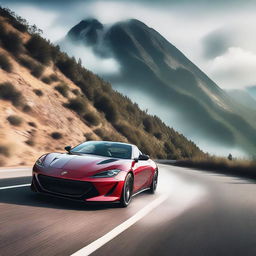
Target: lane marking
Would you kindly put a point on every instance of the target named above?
(15, 170)
(15, 186)
(90, 248)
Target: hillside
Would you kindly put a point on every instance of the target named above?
(244, 98)
(48, 100)
(172, 86)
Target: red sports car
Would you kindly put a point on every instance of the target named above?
(96, 171)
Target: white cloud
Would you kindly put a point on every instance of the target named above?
(91, 61)
(235, 68)
(184, 25)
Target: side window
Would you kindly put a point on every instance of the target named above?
(136, 152)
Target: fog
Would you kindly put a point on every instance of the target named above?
(92, 61)
(172, 118)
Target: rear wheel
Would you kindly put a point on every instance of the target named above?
(154, 183)
(127, 191)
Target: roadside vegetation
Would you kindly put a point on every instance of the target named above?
(238, 167)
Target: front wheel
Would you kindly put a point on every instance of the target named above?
(154, 183)
(127, 191)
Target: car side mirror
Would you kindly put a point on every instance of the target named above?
(68, 148)
(143, 157)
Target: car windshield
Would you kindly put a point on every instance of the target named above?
(103, 148)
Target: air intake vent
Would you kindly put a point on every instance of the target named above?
(107, 161)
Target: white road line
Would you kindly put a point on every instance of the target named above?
(15, 169)
(15, 186)
(90, 248)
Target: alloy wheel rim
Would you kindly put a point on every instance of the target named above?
(128, 191)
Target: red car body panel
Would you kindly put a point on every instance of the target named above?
(80, 168)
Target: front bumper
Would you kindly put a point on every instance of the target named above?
(87, 190)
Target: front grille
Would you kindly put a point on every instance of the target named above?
(73, 188)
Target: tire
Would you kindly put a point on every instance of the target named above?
(32, 187)
(154, 183)
(127, 191)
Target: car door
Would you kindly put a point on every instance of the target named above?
(142, 172)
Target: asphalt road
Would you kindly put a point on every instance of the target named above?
(192, 213)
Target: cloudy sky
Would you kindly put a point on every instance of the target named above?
(219, 36)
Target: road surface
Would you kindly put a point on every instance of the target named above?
(192, 213)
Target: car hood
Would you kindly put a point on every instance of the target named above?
(79, 166)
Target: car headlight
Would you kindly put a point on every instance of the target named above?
(107, 174)
(40, 160)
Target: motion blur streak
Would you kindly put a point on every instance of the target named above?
(188, 194)
(183, 194)
(15, 186)
(119, 229)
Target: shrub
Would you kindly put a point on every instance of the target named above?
(90, 136)
(129, 132)
(26, 62)
(78, 105)
(37, 70)
(13, 43)
(54, 78)
(46, 80)
(38, 92)
(32, 124)
(14, 120)
(62, 89)
(30, 142)
(76, 92)
(4, 150)
(158, 135)
(101, 132)
(56, 135)
(39, 49)
(68, 67)
(3, 31)
(15, 20)
(92, 119)
(5, 63)
(10, 93)
(107, 106)
(148, 125)
(26, 108)
(21, 27)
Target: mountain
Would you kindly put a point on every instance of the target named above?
(252, 91)
(48, 100)
(163, 80)
(244, 98)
